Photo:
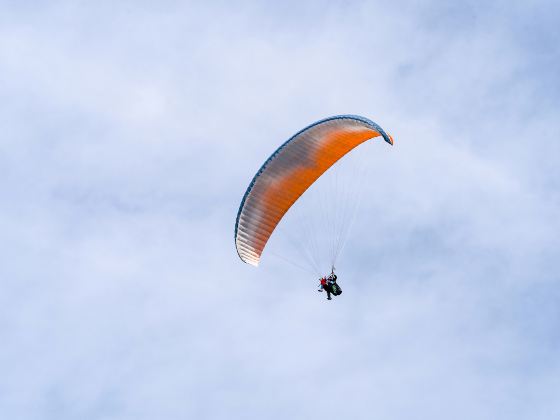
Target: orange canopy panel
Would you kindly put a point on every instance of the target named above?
(290, 171)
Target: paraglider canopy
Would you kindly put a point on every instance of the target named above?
(290, 171)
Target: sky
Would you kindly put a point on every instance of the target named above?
(130, 131)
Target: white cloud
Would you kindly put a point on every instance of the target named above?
(130, 133)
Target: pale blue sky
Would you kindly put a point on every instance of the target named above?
(129, 134)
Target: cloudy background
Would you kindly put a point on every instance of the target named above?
(128, 135)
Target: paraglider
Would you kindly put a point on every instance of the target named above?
(329, 285)
(288, 173)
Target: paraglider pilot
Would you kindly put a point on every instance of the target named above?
(329, 285)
